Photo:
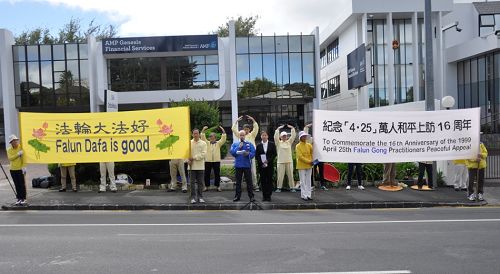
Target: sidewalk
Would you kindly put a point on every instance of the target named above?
(332, 199)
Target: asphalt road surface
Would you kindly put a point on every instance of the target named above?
(437, 240)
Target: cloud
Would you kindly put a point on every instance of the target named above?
(151, 17)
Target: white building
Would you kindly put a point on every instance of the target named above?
(466, 59)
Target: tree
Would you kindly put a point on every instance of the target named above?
(244, 27)
(257, 87)
(70, 33)
(202, 113)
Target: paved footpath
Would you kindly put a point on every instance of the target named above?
(43, 199)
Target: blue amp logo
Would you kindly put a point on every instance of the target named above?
(213, 45)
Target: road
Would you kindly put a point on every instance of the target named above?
(437, 240)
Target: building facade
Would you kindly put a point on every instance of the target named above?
(272, 78)
(466, 60)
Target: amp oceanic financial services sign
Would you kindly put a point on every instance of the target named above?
(396, 136)
(159, 44)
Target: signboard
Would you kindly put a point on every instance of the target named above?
(159, 44)
(111, 100)
(357, 68)
(105, 136)
(396, 136)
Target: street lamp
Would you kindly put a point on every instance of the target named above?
(448, 102)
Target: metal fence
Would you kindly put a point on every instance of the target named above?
(492, 143)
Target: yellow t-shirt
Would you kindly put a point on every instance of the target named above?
(213, 150)
(284, 148)
(198, 153)
(304, 155)
(16, 162)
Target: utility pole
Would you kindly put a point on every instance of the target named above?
(429, 72)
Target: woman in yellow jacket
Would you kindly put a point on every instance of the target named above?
(17, 169)
(304, 155)
(476, 172)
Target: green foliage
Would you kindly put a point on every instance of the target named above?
(53, 168)
(227, 171)
(440, 178)
(243, 26)
(202, 113)
(406, 171)
(72, 32)
(38, 146)
(257, 87)
(371, 172)
(168, 142)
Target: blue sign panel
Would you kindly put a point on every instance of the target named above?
(159, 44)
(356, 68)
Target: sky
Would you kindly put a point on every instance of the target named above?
(169, 17)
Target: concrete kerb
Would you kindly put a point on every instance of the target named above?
(243, 206)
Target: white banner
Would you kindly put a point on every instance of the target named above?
(395, 136)
(111, 100)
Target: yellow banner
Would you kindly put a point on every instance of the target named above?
(105, 136)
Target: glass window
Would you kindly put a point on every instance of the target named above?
(307, 43)
(281, 44)
(46, 74)
(20, 69)
(212, 72)
(269, 65)
(241, 45)
(243, 69)
(73, 69)
(255, 44)
(294, 43)
(59, 65)
(268, 44)
(45, 52)
(199, 60)
(255, 66)
(19, 53)
(308, 68)
(295, 68)
(33, 73)
(84, 73)
(212, 59)
(72, 51)
(32, 53)
(84, 51)
(487, 20)
(58, 52)
(282, 69)
(200, 74)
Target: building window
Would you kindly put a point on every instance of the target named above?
(403, 61)
(49, 77)
(478, 81)
(164, 73)
(323, 59)
(488, 23)
(330, 87)
(275, 67)
(332, 51)
(377, 90)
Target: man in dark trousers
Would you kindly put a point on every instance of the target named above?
(243, 152)
(265, 154)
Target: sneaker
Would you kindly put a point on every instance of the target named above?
(219, 189)
(23, 202)
(184, 191)
(62, 190)
(472, 197)
(324, 188)
(361, 187)
(170, 190)
(17, 203)
(480, 197)
(309, 198)
(193, 201)
(257, 190)
(278, 190)
(293, 190)
(348, 188)
(205, 188)
(202, 201)
(75, 190)
(305, 199)
(457, 189)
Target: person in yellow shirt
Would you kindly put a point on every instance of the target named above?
(476, 173)
(304, 158)
(17, 168)
(212, 160)
(285, 161)
(251, 134)
(65, 169)
(197, 167)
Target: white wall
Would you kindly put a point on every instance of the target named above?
(346, 100)
(7, 89)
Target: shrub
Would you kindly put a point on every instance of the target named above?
(227, 171)
(406, 171)
(201, 112)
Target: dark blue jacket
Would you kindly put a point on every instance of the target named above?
(240, 160)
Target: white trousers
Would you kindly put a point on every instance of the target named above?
(305, 183)
(288, 169)
(110, 167)
(461, 176)
(254, 175)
